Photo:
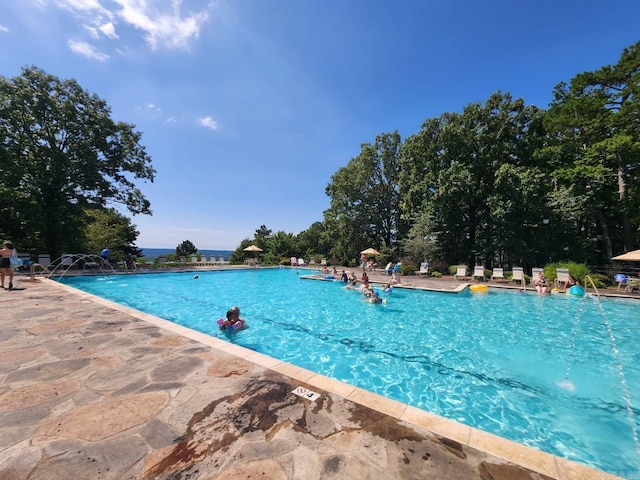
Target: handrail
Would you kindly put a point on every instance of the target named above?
(588, 277)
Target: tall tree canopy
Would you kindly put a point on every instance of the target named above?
(594, 149)
(471, 180)
(364, 196)
(61, 153)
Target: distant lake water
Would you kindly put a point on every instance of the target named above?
(158, 252)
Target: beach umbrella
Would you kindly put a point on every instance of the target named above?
(633, 256)
(370, 251)
(253, 248)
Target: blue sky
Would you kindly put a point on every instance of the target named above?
(247, 107)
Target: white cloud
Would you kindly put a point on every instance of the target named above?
(162, 25)
(3, 28)
(109, 30)
(86, 50)
(92, 31)
(208, 122)
(165, 28)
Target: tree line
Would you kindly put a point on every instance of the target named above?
(499, 183)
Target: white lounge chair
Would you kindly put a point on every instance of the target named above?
(301, 262)
(461, 272)
(478, 271)
(633, 285)
(497, 274)
(562, 277)
(518, 275)
(534, 274)
(67, 260)
(424, 269)
(44, 260)
(323, 262)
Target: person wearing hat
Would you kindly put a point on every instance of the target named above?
(5, 263)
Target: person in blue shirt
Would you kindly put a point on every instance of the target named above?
(105, 255)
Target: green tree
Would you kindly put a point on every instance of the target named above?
(364, 208)
(594, 147)
(282, 245)
(185, 249)
(313, 241)
(60, 154)
(108, 228)
(464, 178)
(261, 237)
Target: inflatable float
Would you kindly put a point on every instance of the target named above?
(479, 288)
(575, 291)
(230, 328)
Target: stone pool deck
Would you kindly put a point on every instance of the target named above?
(94, 390)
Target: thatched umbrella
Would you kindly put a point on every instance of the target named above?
(633, 256)
(370, 251)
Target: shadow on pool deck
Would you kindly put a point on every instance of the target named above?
(94, 390)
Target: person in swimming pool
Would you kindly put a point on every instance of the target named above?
(541, 284)
(236, 316)
(344, 278)
(375, 298)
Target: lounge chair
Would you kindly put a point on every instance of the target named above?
(389, 268)
(633, 285)
(497, 274)
(621, 278)
(67, 260)
(301, 262)
(312, 262)
(478, 271)
(424, 269)
(461, 272)
(323, 262)
(562, 277)
(194, 260)
(518, 275)
(534, 274)
(294, 262)
(44, 260)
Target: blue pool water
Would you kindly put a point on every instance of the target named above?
(557, 373)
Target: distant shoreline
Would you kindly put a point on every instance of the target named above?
(152, 253)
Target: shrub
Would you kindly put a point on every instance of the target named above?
(576, 270)
(601, 281)
(436, 274)
(408, 269)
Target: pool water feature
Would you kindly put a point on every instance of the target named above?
(539, 370)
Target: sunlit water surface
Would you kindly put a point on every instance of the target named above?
(545, 371)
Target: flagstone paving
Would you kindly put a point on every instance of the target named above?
(89, 390)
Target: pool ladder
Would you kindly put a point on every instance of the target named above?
(588, 277)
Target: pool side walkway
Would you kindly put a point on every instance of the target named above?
(94, 390)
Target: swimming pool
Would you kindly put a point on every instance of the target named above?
(556, 373)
